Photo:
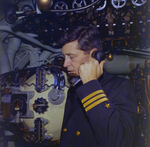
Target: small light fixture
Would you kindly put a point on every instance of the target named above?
(44, 4)
(110, 56)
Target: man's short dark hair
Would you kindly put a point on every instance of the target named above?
(87, 37)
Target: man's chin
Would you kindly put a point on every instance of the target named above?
(74, 75)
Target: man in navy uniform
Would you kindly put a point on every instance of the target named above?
(100, 110)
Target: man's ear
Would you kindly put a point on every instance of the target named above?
(92, 51)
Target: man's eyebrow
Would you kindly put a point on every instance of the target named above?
(69, 54)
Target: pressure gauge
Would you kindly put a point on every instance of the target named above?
(18, 103)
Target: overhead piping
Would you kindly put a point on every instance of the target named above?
(28, 38)
(77, 9)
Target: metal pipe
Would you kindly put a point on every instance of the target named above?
(123, 64)
(28, 38)
(4, 60)
(13, 47)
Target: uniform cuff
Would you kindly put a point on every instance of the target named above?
(88, 88)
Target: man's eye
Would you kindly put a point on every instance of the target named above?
(71, 57)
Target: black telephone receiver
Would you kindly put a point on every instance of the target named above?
(98, 56)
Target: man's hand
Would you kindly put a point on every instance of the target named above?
(91, 70)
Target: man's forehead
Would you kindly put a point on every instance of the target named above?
(70, 50)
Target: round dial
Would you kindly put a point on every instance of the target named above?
(40, 105)
(17, 104)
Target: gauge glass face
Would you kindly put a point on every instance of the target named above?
(18, 104)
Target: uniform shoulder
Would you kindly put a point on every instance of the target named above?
(114, 80)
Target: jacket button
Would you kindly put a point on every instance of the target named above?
(65, 130)
(77, 133)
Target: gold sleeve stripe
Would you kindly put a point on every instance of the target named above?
(91, 95)
(95, 104)
(94, 99)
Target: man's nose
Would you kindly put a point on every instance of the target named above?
(66, 62)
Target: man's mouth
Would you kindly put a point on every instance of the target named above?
(71, 72)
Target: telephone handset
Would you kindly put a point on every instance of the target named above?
(98, 56)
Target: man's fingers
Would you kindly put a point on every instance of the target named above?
(102, 63)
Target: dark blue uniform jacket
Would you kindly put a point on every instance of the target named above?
(100, 113)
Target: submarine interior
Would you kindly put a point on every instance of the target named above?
(33, 81)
